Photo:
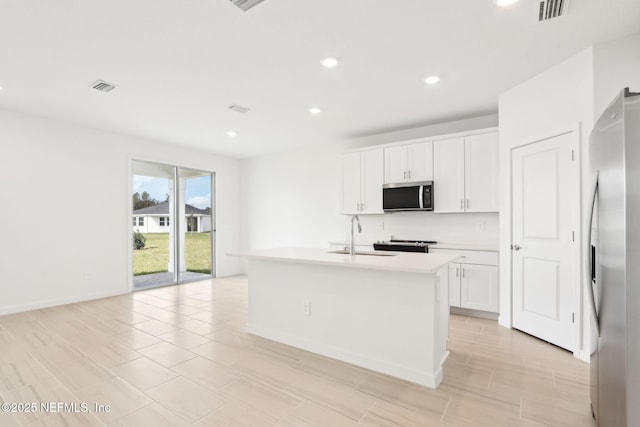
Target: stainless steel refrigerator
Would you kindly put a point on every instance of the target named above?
(613, 254)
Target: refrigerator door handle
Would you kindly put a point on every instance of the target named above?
(588, 263)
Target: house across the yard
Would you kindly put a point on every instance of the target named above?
(155, 219)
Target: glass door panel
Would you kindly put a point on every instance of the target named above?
(196, 218)
(152, 226)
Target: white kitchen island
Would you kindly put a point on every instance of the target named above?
(386, 313)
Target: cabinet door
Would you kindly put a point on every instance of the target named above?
(479, 287)
(481, 172)
(420, 161)
(395, 164)
(448, 175)
(454, 285)
(372, 175)
(351, 183)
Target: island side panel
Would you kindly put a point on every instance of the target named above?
(441, 343)
(390, 322)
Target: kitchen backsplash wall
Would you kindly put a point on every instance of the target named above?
(463, 227)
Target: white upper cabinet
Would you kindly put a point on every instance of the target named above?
(448, 175)
(465, 173)
(395, 164)
(420, 161)
(408, 163)
(362, 175)
(371, 181)
(481, 172)
(351, 183)
(463, 168)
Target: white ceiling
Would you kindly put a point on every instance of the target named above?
(179, 64)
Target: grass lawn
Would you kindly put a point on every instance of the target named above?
(154, 258)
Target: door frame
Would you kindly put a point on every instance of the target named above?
(129, 208)
(506, 216)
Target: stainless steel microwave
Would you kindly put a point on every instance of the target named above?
(408, 196)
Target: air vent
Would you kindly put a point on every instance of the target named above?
(246, 4)
(103, 86)
(550, 9)
(239, 109)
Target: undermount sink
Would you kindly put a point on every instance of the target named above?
(346, 252)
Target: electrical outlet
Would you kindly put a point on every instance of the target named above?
(481, 226)
(306, 306)
(86, 276)
(381, 225)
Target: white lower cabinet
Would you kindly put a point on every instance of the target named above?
(454, 284)
(473, 283)
(477, 287)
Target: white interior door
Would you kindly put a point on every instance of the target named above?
(545, 256)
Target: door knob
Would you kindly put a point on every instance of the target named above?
(516, 247)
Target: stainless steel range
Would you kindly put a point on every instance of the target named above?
(404, 245)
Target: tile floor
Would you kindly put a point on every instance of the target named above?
(178, 356)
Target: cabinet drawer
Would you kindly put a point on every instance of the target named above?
(470, 257)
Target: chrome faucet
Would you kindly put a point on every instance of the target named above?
(352, 248)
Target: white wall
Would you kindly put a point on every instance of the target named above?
(574, 91)
(616, 66)
(555, 100)
(58, 181)
(294, 199)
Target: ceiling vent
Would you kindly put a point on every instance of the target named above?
(550, 9)
(239, 109)
(103, 86)
(246, 4)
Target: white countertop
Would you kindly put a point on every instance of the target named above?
(464, 246)
(391, 261)
(476, 246)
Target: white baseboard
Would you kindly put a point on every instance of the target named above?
(583, 355)
(474, 313)
(58, 301)
(365, 361)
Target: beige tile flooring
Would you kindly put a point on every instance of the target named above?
(179, 356)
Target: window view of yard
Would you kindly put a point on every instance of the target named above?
(154, 257)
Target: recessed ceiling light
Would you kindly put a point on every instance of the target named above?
(505, 3)
(431, 80)
(315, 111)
(1, 88)
(329, 62)
(232, 133)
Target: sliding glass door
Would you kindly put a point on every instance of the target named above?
(173, 224)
